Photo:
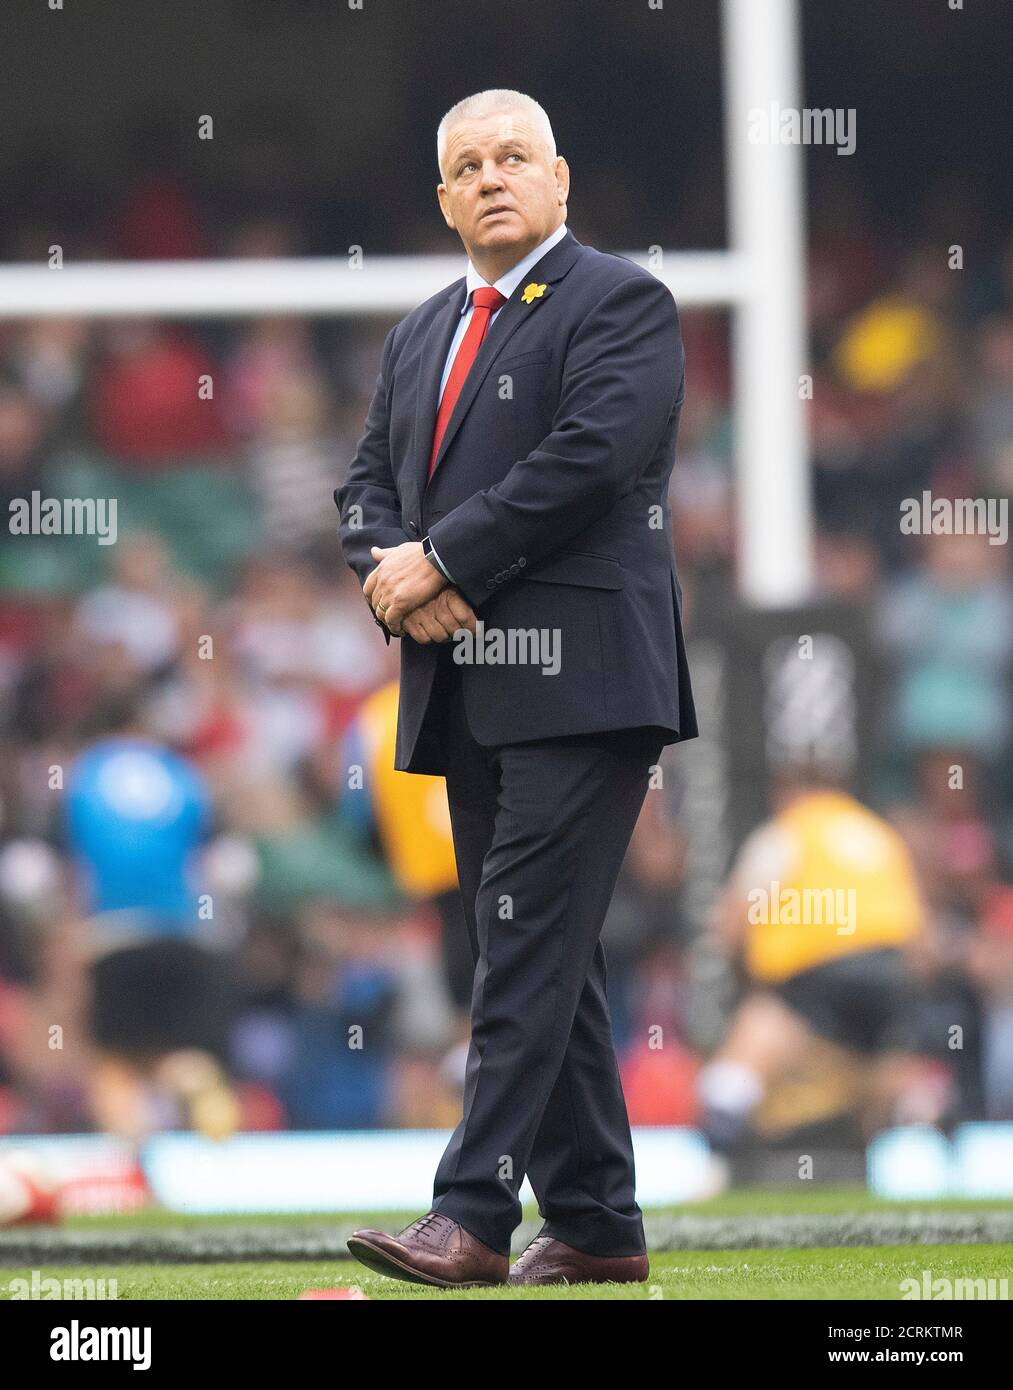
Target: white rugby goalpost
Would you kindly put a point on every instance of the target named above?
(760, 279)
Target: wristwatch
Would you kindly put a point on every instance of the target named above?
(433, 558)
(427, 551)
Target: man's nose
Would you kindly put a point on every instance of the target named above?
(491, 176)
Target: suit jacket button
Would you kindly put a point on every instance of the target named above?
(515, 569)
(522, 562)
(490, 583)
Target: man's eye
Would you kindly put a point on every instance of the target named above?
(514, 155)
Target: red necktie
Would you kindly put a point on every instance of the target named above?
(486, 302)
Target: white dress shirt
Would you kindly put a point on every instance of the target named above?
(506, 285)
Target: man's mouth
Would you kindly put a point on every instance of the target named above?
(491, 212)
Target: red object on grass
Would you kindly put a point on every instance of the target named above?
(312, 1295)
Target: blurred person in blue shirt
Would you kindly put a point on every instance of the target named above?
(160, 1001)
(136, 816)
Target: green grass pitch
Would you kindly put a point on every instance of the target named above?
(869, 1263)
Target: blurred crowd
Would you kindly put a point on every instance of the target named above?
(222, 639)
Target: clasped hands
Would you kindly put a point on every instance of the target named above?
(411, 597)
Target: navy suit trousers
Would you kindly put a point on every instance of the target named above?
(540, 832)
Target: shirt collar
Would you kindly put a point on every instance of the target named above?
(507, 283)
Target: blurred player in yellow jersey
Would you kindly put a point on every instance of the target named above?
(822, 911)
(410, 811)
(411, 817)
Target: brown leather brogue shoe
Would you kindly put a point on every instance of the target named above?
(548, 1261)
(432, 1250)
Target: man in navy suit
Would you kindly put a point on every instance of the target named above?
(507, 514)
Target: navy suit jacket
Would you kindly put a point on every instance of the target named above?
(548, 504)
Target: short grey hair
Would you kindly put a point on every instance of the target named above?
(485, 104)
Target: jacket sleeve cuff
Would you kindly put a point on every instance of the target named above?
(481, 569)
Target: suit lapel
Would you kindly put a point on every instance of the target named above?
(556, 262)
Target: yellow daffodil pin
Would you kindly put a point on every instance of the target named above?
(532, 292)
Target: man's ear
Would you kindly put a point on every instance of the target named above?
(562, 181)
(441, 193)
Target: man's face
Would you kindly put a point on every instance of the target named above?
(502, 193)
